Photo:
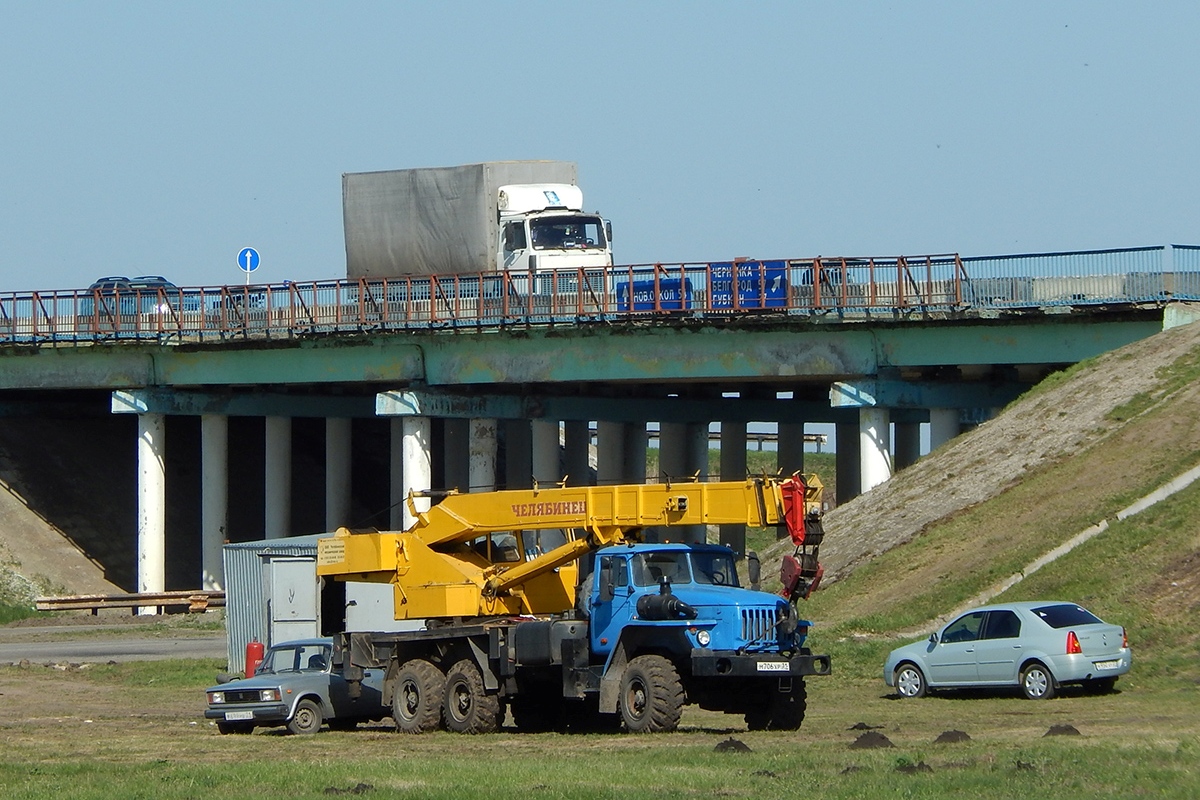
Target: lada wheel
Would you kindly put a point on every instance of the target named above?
(910, 681)
(307, 719)
(417, 703)
(651, 695)
(468, 707)
(1036, 682)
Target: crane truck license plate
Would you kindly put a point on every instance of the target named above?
(773, 666)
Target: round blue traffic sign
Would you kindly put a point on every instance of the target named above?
(248, 259)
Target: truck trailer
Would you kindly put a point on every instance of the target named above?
(476, 218)
(547, 602)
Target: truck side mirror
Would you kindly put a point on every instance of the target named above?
(608, 579)
(753, 569)
(608, 230)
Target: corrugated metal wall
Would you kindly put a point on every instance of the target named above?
(245, 593)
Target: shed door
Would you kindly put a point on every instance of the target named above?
(292, 598)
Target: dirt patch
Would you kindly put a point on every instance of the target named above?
(1063, 730)
(952, 737)
(870, 741)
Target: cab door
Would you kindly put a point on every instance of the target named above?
(609, 615)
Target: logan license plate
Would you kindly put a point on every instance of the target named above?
(1116, 662)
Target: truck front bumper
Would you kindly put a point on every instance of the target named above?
(723, 663)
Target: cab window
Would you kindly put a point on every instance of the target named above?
(649, 569)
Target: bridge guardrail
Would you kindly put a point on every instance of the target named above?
(840, 287)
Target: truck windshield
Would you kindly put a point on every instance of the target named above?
(649, 569)
(575, 232)
(714, 568)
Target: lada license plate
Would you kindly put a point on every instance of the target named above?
(234, 716)
(774, 666)
(1113, 664)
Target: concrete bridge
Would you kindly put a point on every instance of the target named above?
(278, 394)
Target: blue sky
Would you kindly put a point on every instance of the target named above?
(151, 137)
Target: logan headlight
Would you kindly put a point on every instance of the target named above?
(703, 638)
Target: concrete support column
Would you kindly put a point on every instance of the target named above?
(577, 442)
(849, 471)
(610, 453)
(733, 468)
(482, 448)
(337, 473)
(672, 450)
(944, 425)
(791, 447)
(518, 454)
(908, 444)
(214, 499)
(875, 439)
(152, 506)
(636, 442)
(456, 447)
(545, 439)
(416, 468)
(277, 521)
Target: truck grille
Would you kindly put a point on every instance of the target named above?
(758, 624)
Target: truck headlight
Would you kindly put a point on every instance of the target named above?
(215, 698)
(703, 638)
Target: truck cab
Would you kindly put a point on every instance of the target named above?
(692, 589)
(543, 228)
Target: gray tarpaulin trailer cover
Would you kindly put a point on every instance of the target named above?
(432, 220)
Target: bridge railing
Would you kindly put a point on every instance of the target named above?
(839, 287)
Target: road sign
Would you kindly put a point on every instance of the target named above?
(248, 259)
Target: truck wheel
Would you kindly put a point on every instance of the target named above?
(307, 719)
(781, 711)
(651, 695)
(417, 704)
(468, 707)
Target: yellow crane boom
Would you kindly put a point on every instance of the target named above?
(453, 563)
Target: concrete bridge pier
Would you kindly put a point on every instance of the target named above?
(152, 506)
(544, 440)
(682, 455)
(277, 521)
(944, 425)
(482, 449)
(214, 498)
(875, 445)
(733, 468)
(415, 473)
(577, 441)
(337, 472)
(907, 444)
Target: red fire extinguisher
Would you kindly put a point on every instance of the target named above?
(254, 656)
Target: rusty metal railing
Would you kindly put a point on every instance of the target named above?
(841, 288)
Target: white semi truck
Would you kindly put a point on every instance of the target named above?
(489, 217)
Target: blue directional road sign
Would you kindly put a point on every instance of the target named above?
(248, 259)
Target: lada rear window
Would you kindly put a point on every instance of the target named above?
(1065, 615)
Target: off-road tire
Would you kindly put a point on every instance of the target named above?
(651, 698)
(306, 719)
(468, 708)
(781, 711)
(417, 702)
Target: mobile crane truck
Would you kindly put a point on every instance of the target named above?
(492, 582)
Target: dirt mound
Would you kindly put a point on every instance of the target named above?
(1056, 419)
(871, 740)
